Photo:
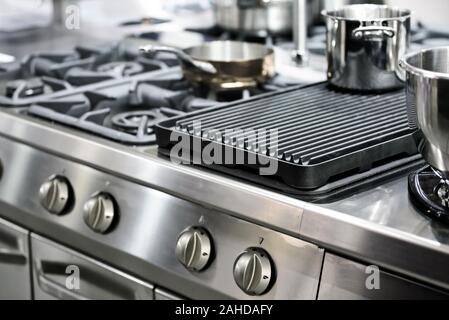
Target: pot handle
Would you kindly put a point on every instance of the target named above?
(184, 57)
(373, 33)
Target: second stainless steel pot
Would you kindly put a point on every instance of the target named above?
(364, 45)
(273, 17)
(428, 103)
(256, 17)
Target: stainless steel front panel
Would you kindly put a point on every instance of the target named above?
(344, 279)
(61, 273)
(15, 280)
(149, 222)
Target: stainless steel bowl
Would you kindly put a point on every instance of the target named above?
(428, 102)
(364, 45)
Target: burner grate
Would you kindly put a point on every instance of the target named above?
(322, 134)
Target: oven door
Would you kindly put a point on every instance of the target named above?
(61, 273)
(14, 262)
(344, 279)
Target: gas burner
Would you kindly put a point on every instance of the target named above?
(429, 192)
(24, 88)
(121, 68)
(134, 121)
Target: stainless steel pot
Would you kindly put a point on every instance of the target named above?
(364, 45)
(428, 102)
(223, 64)
(273, 17)
(320, 5)
(256, 17)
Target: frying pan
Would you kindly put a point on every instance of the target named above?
(223, 64)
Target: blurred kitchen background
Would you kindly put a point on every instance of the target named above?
(82, 174)
(25, 14)
(56, 25)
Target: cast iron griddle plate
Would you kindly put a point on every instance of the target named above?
(324, 135)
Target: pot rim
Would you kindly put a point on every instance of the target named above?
(332, 14)
(269, 52)
(404, 63)
(262, 3)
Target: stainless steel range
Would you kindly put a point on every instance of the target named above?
(86, 192)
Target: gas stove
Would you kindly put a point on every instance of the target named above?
(111, 92)
(319, 142)
(80, 167)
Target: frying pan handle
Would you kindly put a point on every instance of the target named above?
(373, 33)
(184, 57)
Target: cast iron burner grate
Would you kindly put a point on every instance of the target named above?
(323, 135)
(133, 121)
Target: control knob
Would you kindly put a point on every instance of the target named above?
(253, 271)
(54, 194)
(194, 248)
(99, 212)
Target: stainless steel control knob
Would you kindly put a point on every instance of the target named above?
(194, 248)
(99, 212)
(54, 194)
(253, 271)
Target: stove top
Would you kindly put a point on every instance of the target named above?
(314, 142)
(115, 93)
(112, 92)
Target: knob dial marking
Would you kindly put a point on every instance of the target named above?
(54, 195)
(253, 271)
(194, 248)
(99, 213)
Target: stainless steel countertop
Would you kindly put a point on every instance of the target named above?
(388, 205)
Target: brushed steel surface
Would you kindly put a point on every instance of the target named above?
(343, 279)
(253, 271)
(364, 45)
(380, 226)
(428, 103)
(144, 240)
(15, 280)
(300, 26)
(54, 276)
(194, 248)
